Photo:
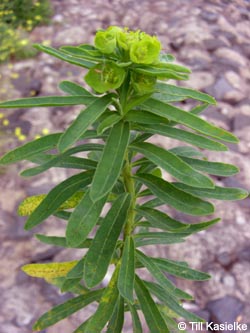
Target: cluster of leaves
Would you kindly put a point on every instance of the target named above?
(17, 17)
(129, 70)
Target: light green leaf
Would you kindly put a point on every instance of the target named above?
(181, 91)
(83, 219)
(152, 315)
(103, 245)
(186, 151)
(137, 328)
(48, 101)
(49, 270)
(181, 135)
(219, 193)
(79, 53)
(188, 119)
(213, 168)
(152, 238)
(57, 196)
(32, 148)
(117, 319)
(109, 167)
(127, 271)
(63, 56)
(73, 89)
(176, 198)
(178, 269)
(66, 309)
(86, 118)
(161, 220)
(161, 73)
(106, 306)
(173, 164)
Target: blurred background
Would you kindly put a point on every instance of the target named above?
(212, 37)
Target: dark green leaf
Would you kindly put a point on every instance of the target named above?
(109, 167)
(66, 309)
(186, 151)
(213, 168)
(150, 310)
(79, 53)
(173, 164)
(161, 73)
(137, 328)
(63, 56)
(156, 272)
(103, 245)
(176, 198)
(31, 149)
(49, 101)
(108, 122)
(83, 121)
(170, 302)
(116, 321)
(161, 220)
(181, 91)
(220, 193)
(177, 269)
(57, 196)
(83, 219)
(73, 89)
(188, 119)
(127, 271)
(106, 306)
(61, 241)
(144, 117)
(181, 135)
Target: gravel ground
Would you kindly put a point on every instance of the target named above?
(212, 38)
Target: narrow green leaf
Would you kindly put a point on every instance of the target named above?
(181, 91)
(83, 121)
(82, 327)
(103, 245)
(137, 328)
(186, 151)
(176, 198)
(127, 271)
(57, 196)
(219, 193)
(144, 117)
(83, 219)
(63, 56)
(173, 164)
(48, 101)
(109, 167)
(116, 321)
(170, 302)
(181, 135)
(169, 239)
(108, 122)
(161, 220)
(66, 309)
(32, 148)
(161, 73)
(177, 269)
(61, 241)
(168, 98)
(156, 272)
(73, 89)
(199, 108)
(196, 227)
(213, 168)
(79, 53)
(106, 306)
(152, 315)
(188, 119)
(61, 162)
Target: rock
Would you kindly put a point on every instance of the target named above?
(244, 254)
(225, 259)
(240, 121)
(220, 88)
(213, 44)
(225, 309)
(209, 16)
(231, 56)
(199, 80)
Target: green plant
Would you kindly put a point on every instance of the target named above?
(128, 70)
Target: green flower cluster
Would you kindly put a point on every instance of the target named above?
(122, 48)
